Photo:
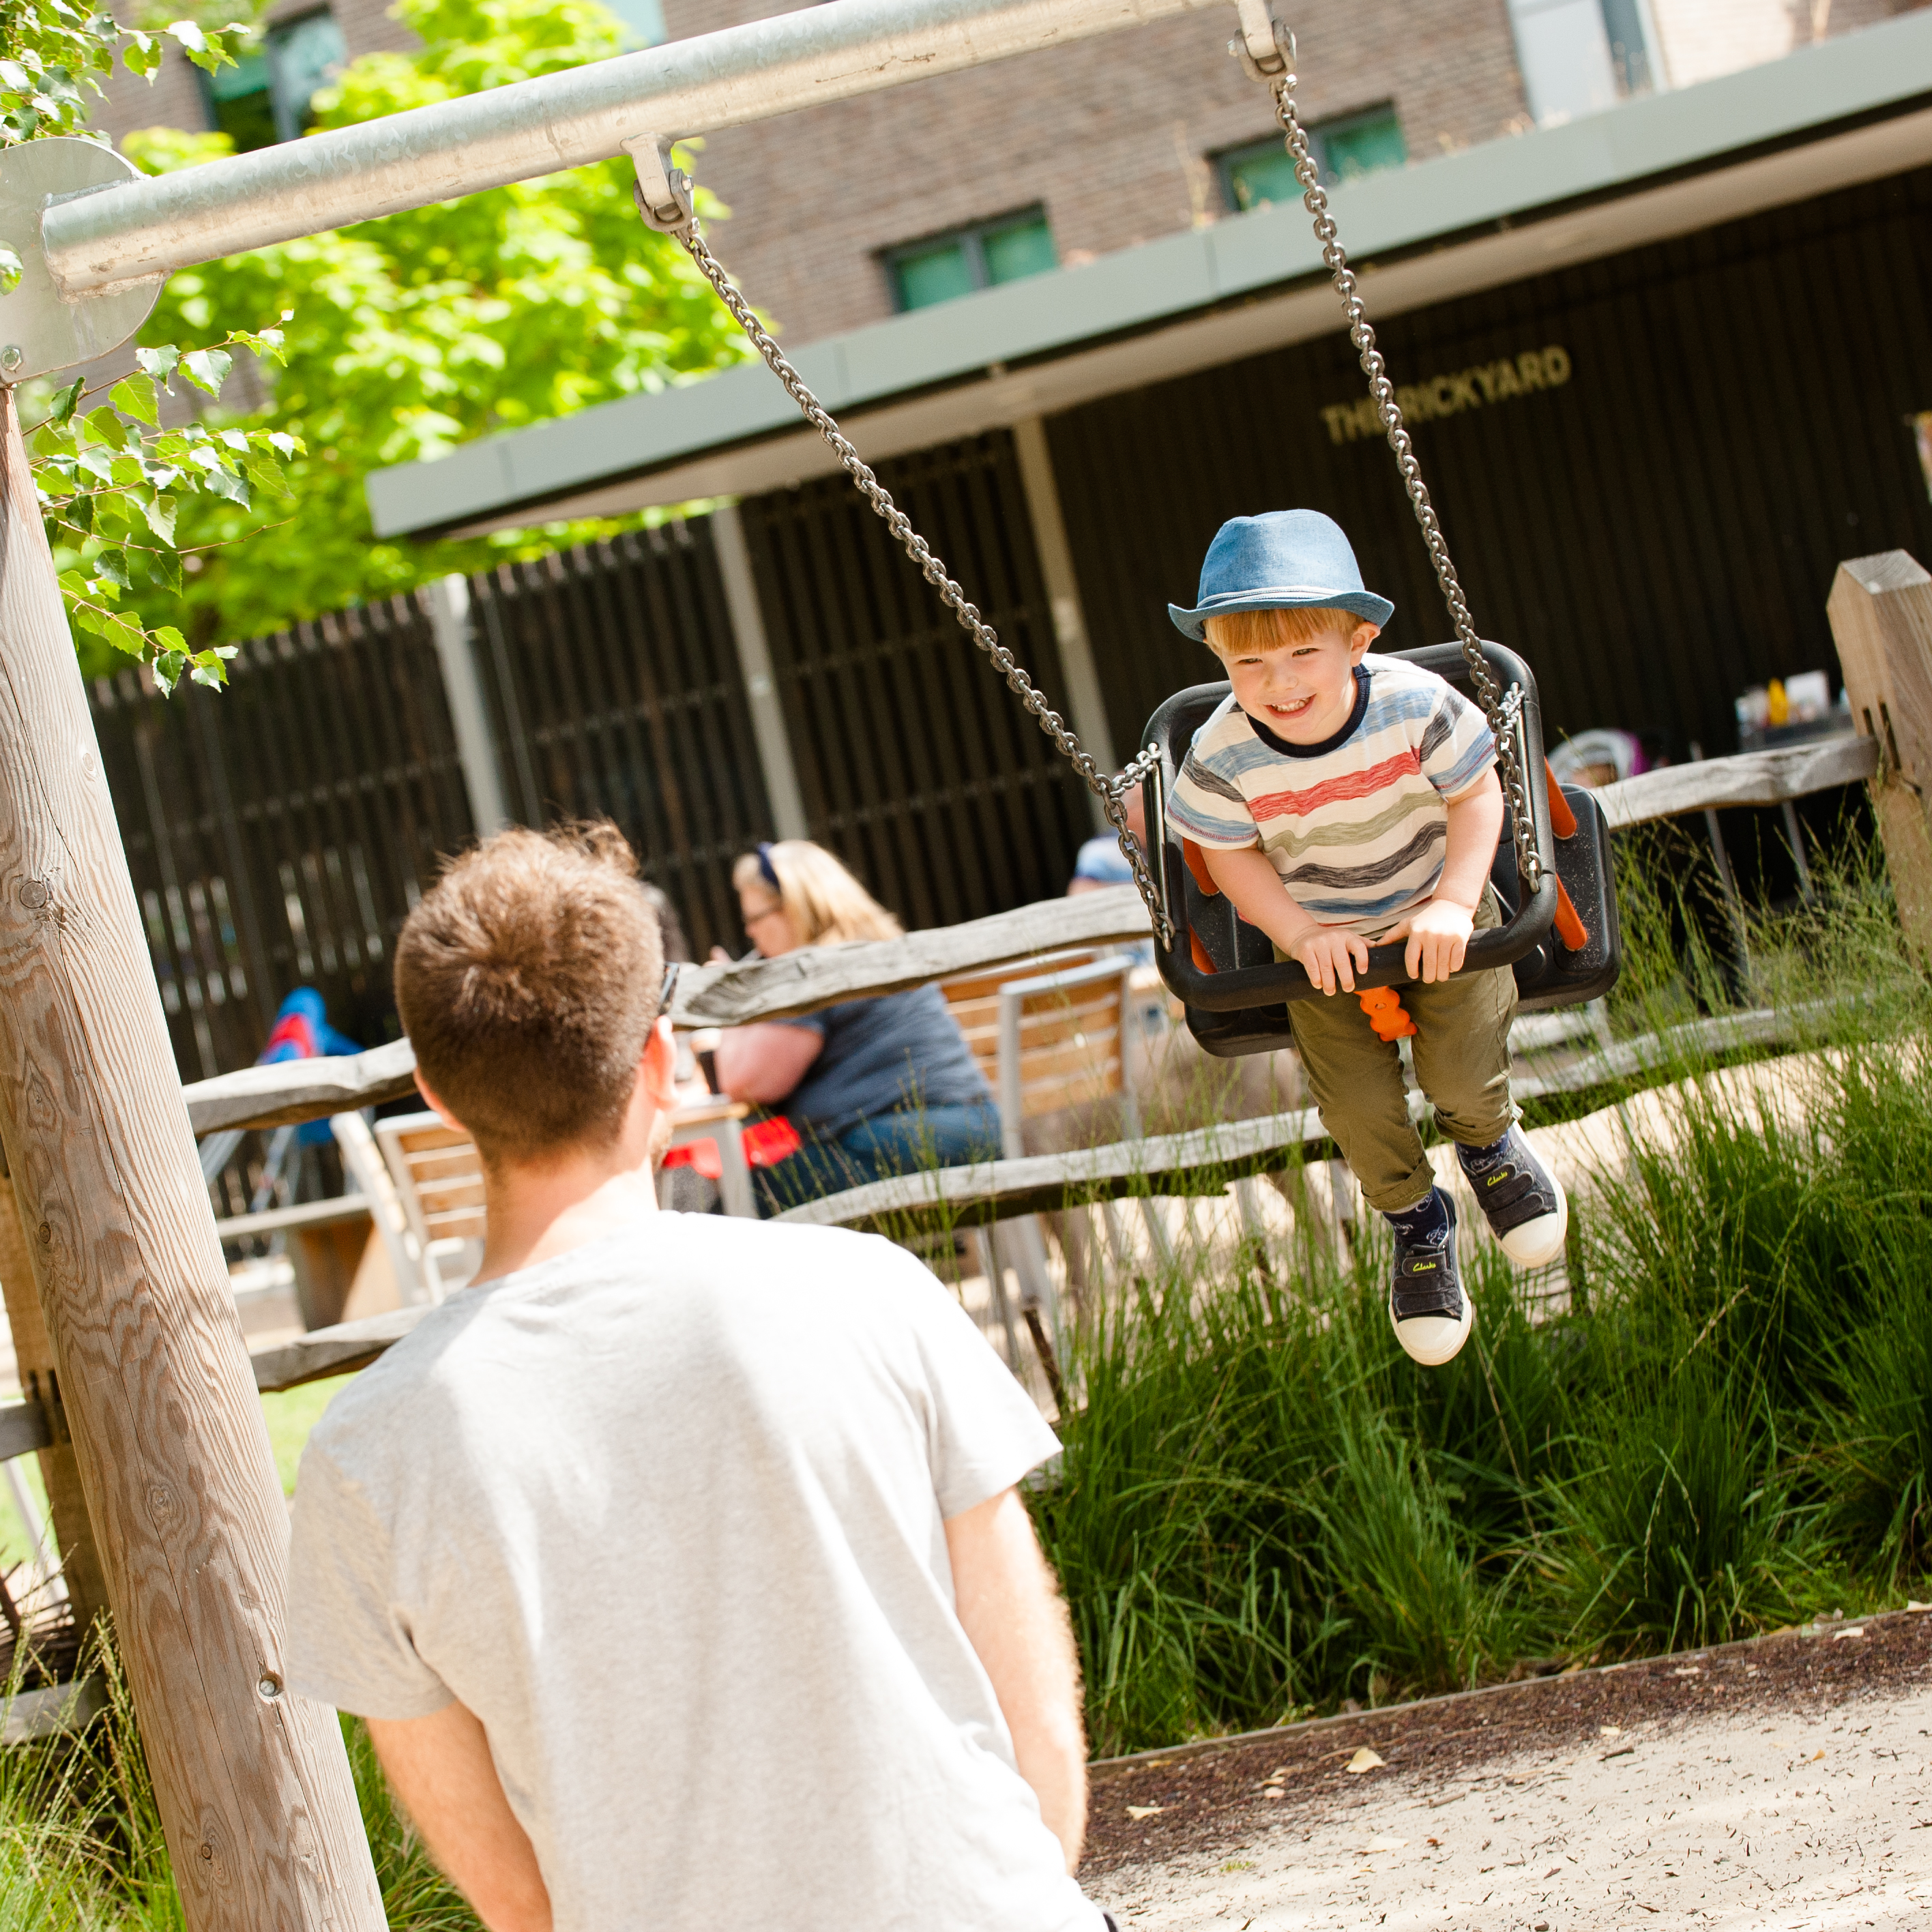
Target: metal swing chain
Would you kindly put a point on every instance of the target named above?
(677, 219)
(1500, 711)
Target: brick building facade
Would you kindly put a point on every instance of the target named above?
(1113, 137)
(1115, 141)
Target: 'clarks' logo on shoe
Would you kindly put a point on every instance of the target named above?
(1492, 1180)
(1423, 1267)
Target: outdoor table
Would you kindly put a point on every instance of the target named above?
(716, 1119)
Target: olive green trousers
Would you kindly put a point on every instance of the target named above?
(1461, 1048)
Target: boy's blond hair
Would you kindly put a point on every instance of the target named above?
(824, 902)
(1236, 633)
(528, 979)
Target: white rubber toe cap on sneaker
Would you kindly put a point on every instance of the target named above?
(1538, 1243)
(1433, 1339)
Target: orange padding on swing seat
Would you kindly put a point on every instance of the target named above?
(1197, 864)
(1205, 879)
(1562, 820)
(1386, 1014)
(1571, 930)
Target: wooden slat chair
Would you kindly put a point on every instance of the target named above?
(1063, 1046)
(974, 1004)
(439, 1180)
(362, 1160)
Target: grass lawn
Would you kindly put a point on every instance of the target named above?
(290, 1414)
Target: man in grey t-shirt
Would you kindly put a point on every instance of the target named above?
(677, 1563)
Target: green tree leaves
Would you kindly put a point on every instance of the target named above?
(112, 480)
(52, 54)
(406, 336)
(427, 329)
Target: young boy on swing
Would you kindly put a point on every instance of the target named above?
(1342, 799)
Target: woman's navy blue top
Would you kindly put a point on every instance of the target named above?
(879, 1056)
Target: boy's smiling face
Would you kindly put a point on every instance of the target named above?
(1302, 691)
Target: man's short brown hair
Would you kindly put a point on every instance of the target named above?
(528, 980)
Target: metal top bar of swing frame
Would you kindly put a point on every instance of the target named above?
(109, 237)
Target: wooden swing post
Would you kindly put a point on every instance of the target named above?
(40, 1382)
(1880, 610)
(154, 1378)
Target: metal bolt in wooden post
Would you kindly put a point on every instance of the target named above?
(1880, 610)
(254, 1788)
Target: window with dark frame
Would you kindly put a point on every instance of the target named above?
(982, 255)
(265, 97)
(1345, 148)
(1629, 47)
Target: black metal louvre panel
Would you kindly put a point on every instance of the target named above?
(278, 834)
(1654, 535)
(613, 687)
(918, 767)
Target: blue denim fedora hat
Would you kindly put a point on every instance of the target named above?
(1282, 560)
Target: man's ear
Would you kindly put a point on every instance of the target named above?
(435, 1105)
(1366, 634)
(657, 1066)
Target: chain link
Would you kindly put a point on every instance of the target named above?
(1489, 689)
(1111, 792)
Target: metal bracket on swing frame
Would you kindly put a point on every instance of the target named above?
(663, 194)
(1265, 47)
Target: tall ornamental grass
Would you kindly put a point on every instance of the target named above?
(1717, 1421)
(81, 1848)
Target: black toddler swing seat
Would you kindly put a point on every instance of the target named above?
(1224, 970)
(1561, 938)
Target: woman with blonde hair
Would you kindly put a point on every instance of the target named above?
(874, 1087)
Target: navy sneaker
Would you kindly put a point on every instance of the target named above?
(1431, 1314)
(1522, 1201)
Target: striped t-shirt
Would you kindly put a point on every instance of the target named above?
(1357, 825)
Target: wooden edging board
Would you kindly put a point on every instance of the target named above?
(1100, 1769)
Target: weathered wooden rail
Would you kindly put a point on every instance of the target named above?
(1202, 1163)
(818, 976)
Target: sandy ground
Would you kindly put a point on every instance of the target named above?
(1792, 1820)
